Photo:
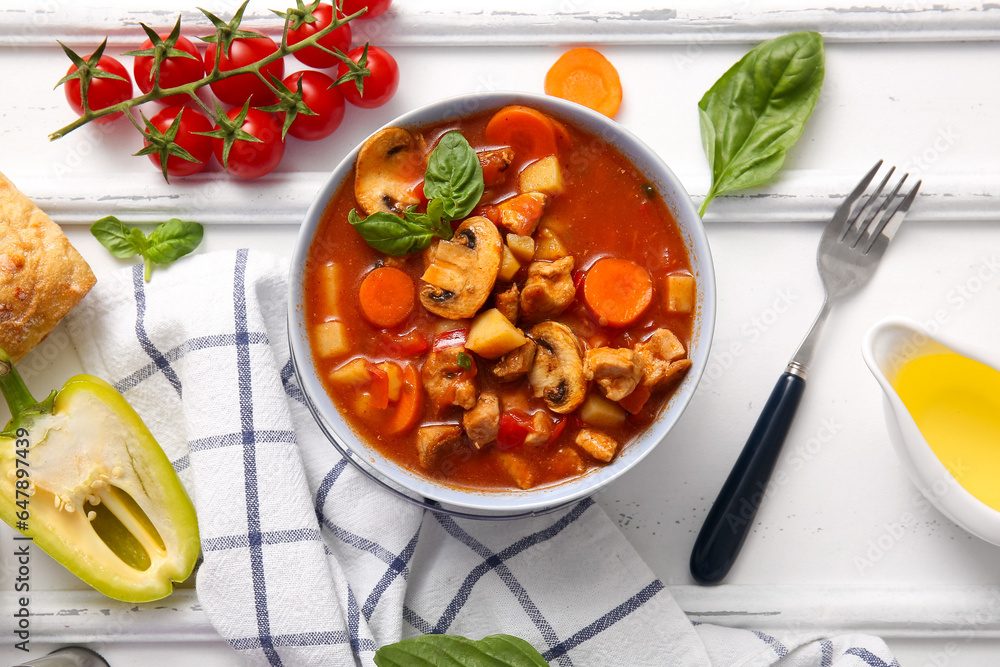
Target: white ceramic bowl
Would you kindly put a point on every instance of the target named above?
(486, 502)
(887, 346)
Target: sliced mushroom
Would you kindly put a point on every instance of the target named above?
(557, 374)
(462, 271)
(389, 164)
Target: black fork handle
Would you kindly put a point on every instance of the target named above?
(728, 522)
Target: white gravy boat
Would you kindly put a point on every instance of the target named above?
(886, 347)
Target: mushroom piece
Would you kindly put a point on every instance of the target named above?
(462, 271)
(390, 163)
(557, 373)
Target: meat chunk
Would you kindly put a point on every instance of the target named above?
(519, 214)
(508, 303)
(663, 357)
(482, 423)
(446, 381)
(516, 363)
(549, 289)
(541, 429)
(617, 371)
(434, 442)
(599, 445)
(519, 469)
(495, 164)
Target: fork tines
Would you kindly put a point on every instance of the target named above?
(874, 218)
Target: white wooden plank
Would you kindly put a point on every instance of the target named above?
(533, 22)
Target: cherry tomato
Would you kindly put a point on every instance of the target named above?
(327, 102)
(101, 93)
(251, 159)
(174, 70)
(380, 85)
(200, 147)
(238, 89)
(338, 39)
(375, 7)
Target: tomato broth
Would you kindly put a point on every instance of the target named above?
(607, 209)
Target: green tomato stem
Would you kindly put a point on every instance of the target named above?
(215, 75)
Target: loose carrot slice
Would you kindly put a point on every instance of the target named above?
(410, 405)
(617, 291)
(529, 132)
(387, 296)
(586, 77)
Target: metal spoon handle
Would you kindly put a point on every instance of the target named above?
(728, 522)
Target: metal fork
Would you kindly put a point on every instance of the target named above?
(849, 251)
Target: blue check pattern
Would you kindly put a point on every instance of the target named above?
(305, 561)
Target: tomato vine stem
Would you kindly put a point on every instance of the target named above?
(355, 72)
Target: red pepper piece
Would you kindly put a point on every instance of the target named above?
(514, 428)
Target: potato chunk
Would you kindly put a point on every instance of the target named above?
(680, 293)
(330, 339)
(544, 175)
(523, 247)
(599, 411)
(492, 335)
(509, 266)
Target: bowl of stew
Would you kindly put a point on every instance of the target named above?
(500, 303)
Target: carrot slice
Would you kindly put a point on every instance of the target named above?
(410, 405)
(586, 77)
(529, 132)
(387, 296)
(617, 291)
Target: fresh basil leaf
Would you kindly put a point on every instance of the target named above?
(757, 110)
(117, 238)
(456, 651)
(173, 239)
(440, 222)
(454, 176)
(391, 234)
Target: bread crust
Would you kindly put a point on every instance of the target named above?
(42, 276)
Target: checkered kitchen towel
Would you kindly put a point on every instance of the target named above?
(307, 562)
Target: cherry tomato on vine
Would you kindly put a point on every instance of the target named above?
(379, 86)
(375, 7)
(174, 70)
(253, 159)
(338, 39)
(200, 147)
(101, 92)
(238, 89)
(327, 102)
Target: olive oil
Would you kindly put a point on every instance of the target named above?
(955, 402)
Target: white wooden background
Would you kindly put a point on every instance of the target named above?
(845, 543)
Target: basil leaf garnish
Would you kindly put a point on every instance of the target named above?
(116, 237)
(453, 184)
(454, 176)
(496, 650)
(173, 239)
(391, 234)
(756, 111)
(170, 240)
